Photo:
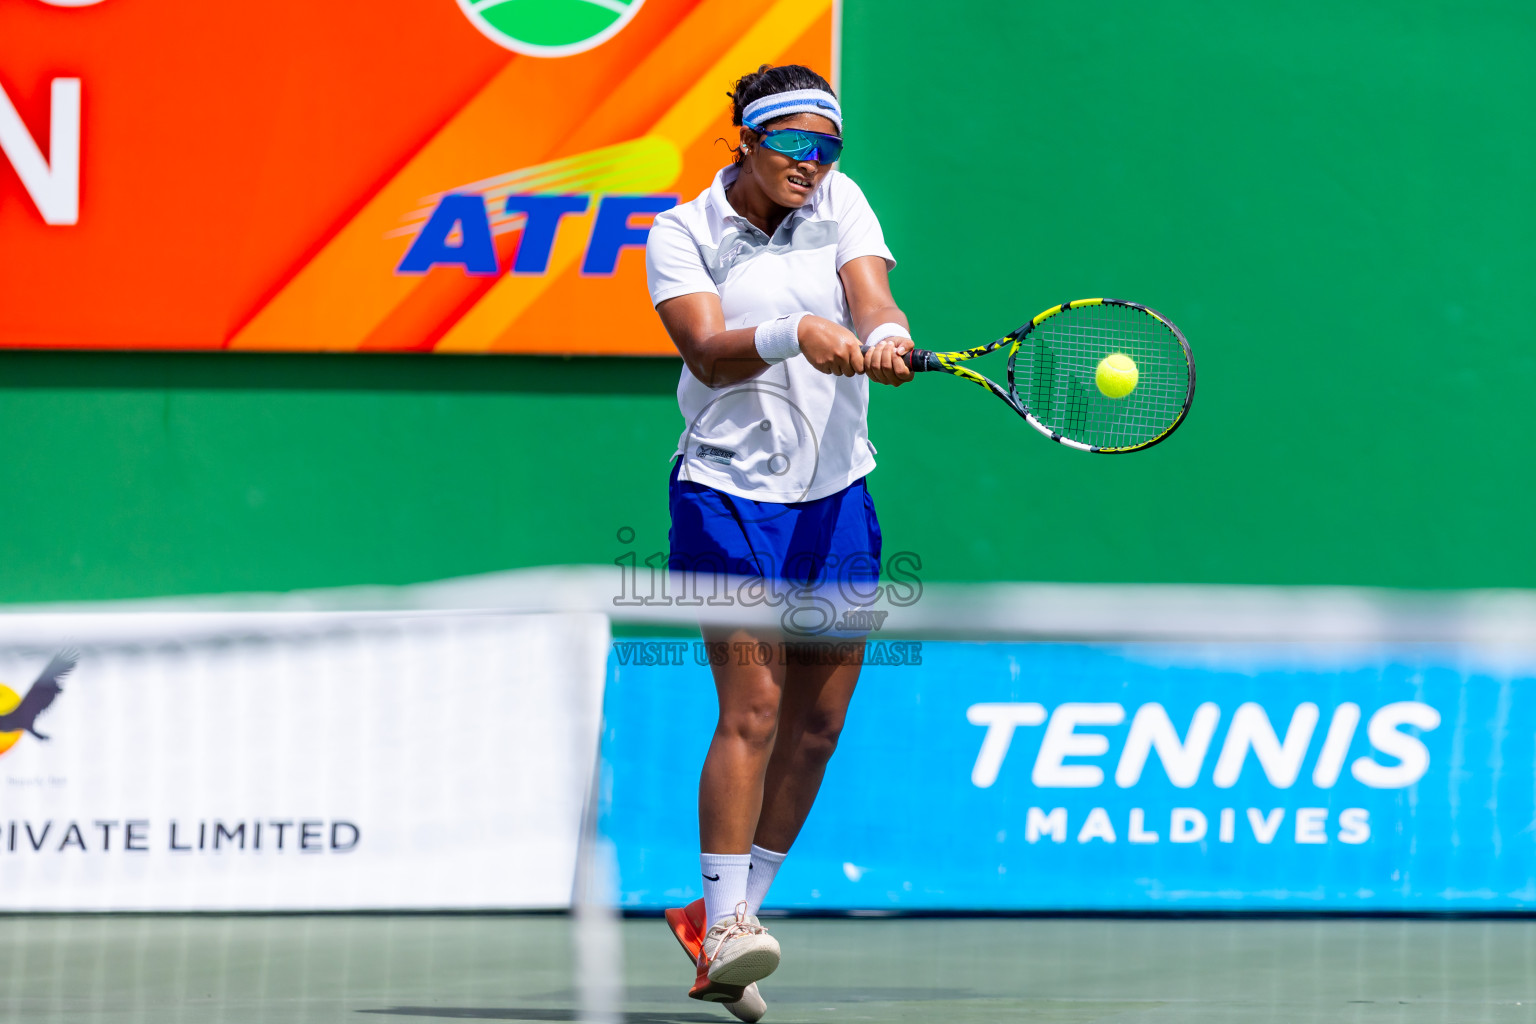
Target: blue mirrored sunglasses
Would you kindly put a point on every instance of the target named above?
(799, 144)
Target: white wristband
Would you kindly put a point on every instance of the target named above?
(779, 339)
(884, 331)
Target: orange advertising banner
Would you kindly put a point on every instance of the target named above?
(434, 176)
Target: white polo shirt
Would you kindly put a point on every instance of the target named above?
(791, 433)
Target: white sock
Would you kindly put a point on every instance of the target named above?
(725, 883)
(765, 865)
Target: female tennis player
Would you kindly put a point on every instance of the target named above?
(773, 285)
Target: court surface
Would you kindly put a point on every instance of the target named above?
(380, 969)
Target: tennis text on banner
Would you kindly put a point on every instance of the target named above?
(1068, 734)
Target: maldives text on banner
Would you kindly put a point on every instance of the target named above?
(1011, 776)
(298, 761)
(454, 177)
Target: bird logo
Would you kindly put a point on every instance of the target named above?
(19, 714)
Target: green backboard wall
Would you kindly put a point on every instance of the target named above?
(1333, 200)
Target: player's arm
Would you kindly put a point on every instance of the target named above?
(718, 357)
(867, 284)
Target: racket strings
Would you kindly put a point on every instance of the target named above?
(1053, 374)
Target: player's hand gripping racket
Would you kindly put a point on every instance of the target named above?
(1102, 375)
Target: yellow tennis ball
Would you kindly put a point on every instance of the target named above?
(1116, 375)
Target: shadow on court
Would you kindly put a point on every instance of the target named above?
(523, 1013)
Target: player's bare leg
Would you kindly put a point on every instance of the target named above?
(818, 686)
(731, 784)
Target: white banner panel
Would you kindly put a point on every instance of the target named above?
(298, 761)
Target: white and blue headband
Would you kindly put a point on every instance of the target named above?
(801, 101)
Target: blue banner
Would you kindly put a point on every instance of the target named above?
(1013, 776)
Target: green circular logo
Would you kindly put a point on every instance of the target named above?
(550, 28)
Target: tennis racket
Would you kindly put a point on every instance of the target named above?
(1063, 369)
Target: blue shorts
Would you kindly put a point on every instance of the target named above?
(832, 541)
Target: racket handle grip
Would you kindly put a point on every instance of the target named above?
(920, 360)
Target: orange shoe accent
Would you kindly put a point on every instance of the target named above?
(687, 924)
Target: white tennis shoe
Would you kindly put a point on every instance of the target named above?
(750, 1007)
(687, 925)
(738, 950)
